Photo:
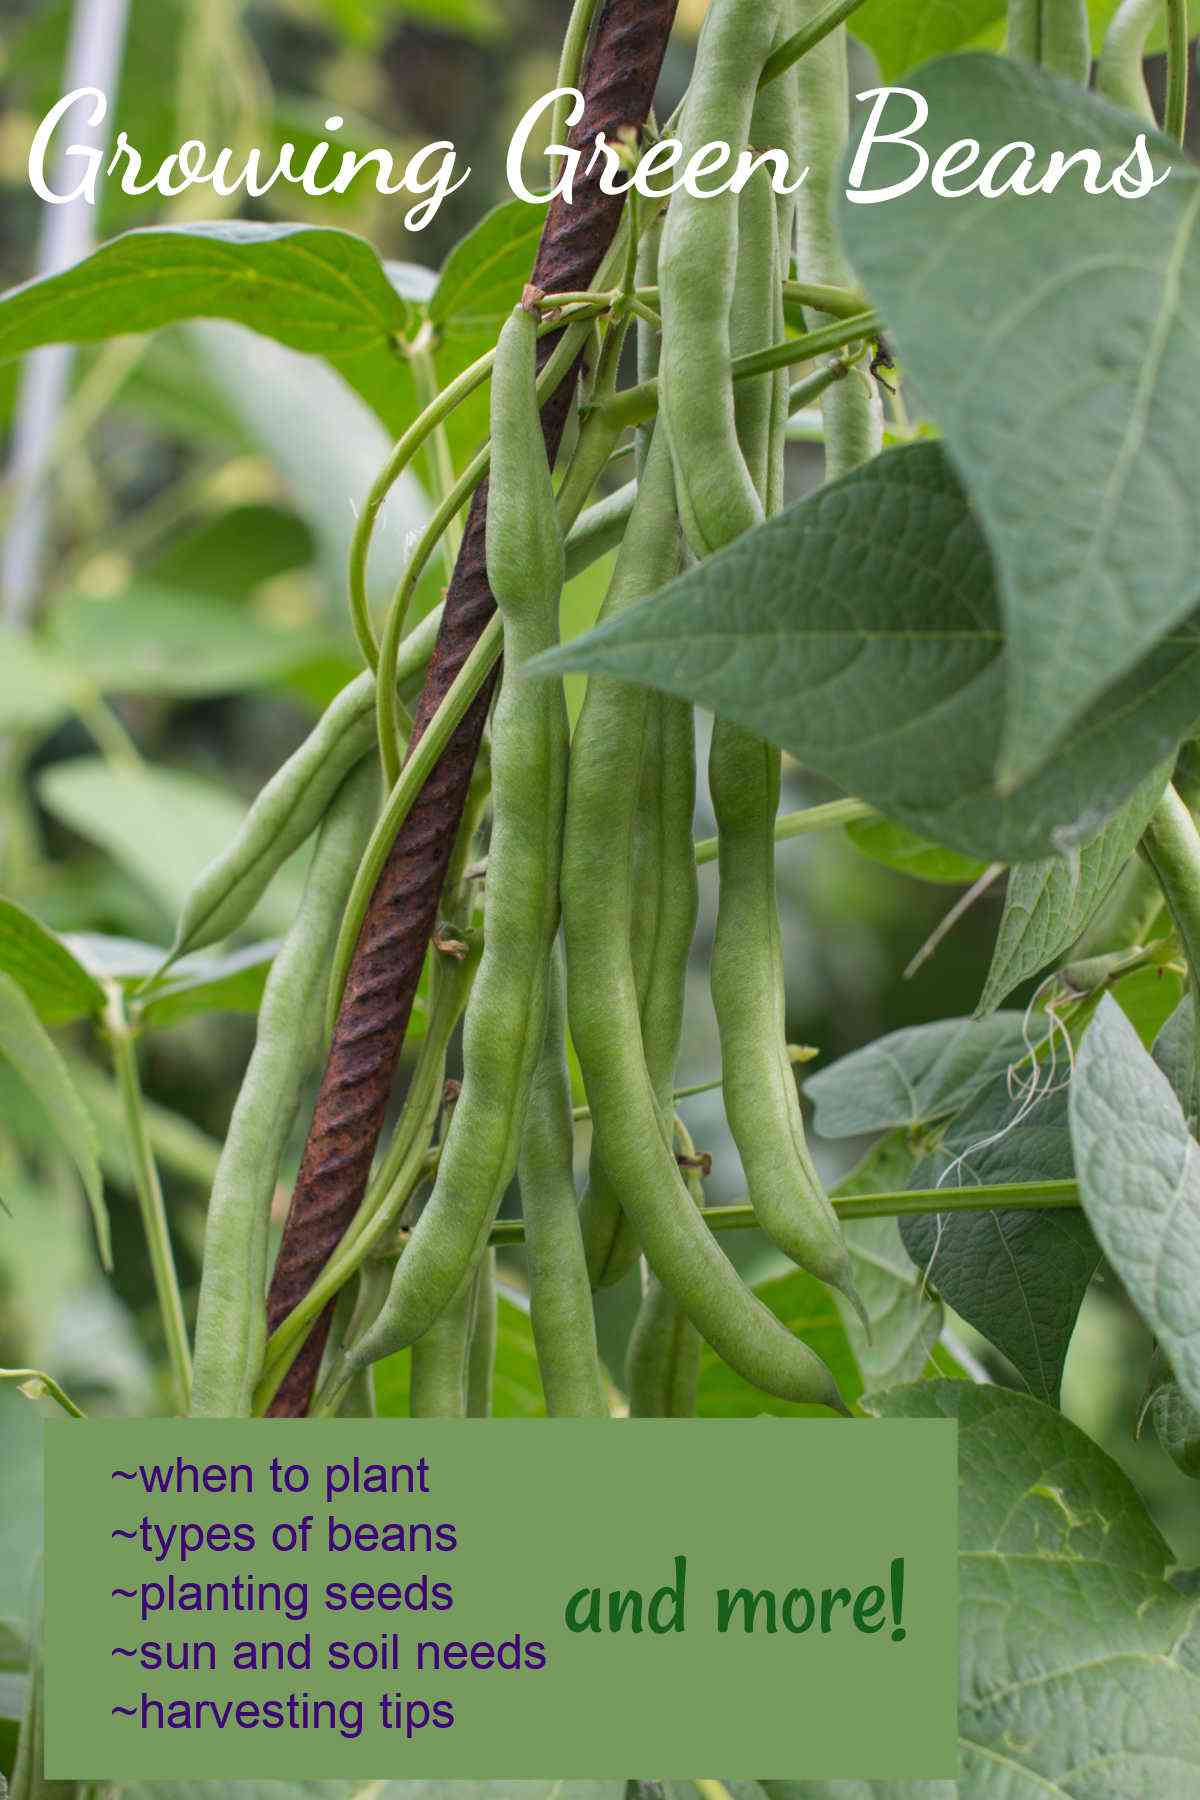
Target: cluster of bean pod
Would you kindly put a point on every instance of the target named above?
(588, 894)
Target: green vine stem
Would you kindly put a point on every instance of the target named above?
(441, 462)
(1120, 75)
(807, 38)
(570, 67)
(1175, 119)
(122, 1044)
(1171, 845)
(1026, 1196)
(35, 1384)
(798, 824)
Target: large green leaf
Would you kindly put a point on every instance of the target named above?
(860, 630)
(25, 1044)
(1139, 1177)
(1059, 360)
(312, 288)
(1079, 1661)
(1049, 904)
(1018, 1275)
(232, 552)
(55, 982)
(912, 1076)
(204, 984)
(162, 825)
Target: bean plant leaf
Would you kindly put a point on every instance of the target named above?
(1139, 1180)
(1174, 1051)
(808, 1309)
(1049, 904)
(232, 552)
(860, 630)
(517, 1385)
(912, 1076)
(25, 1044)
(1018, 1275)
(903, 33)
(906, 1318)
(161, 825)
(36, 691)
(56, 984)
(1079, 1661)
(900, 849)
(150, 640)
(204, 984)
(1080, 460)
(1177, 1427)
(312, 288)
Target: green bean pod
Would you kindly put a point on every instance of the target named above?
(1053, 33)
(506, 1015)
(661, 905)
(698, 268)
(606, 764)
(291, 805)
(851, 409)
(747, 977)
(231, 1325)
(1121, 65)
(481, 1356)
(438, 1373)
(662, 1363)
(560, 1298)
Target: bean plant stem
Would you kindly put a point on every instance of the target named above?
(1175, 117)
(33, 1379)
(570, 67)
(789, 52)
(799, 824)
(1038, 1196)
(441, 462)
(635, 405)
(149, 1193)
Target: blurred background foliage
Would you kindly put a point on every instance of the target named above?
(201, 488)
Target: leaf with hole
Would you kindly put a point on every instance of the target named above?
(1080, 1661)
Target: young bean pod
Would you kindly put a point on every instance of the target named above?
(606, 763)
(292, 805)
(1121, 66)
(438, 1373)
(747, 977)
(231, 1326)
(662, 1363)
(851, 409)
(698, 267)
(662, 901)
(505, 1022)
(1053, 33)
(481, 1356)
(560, 1300)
